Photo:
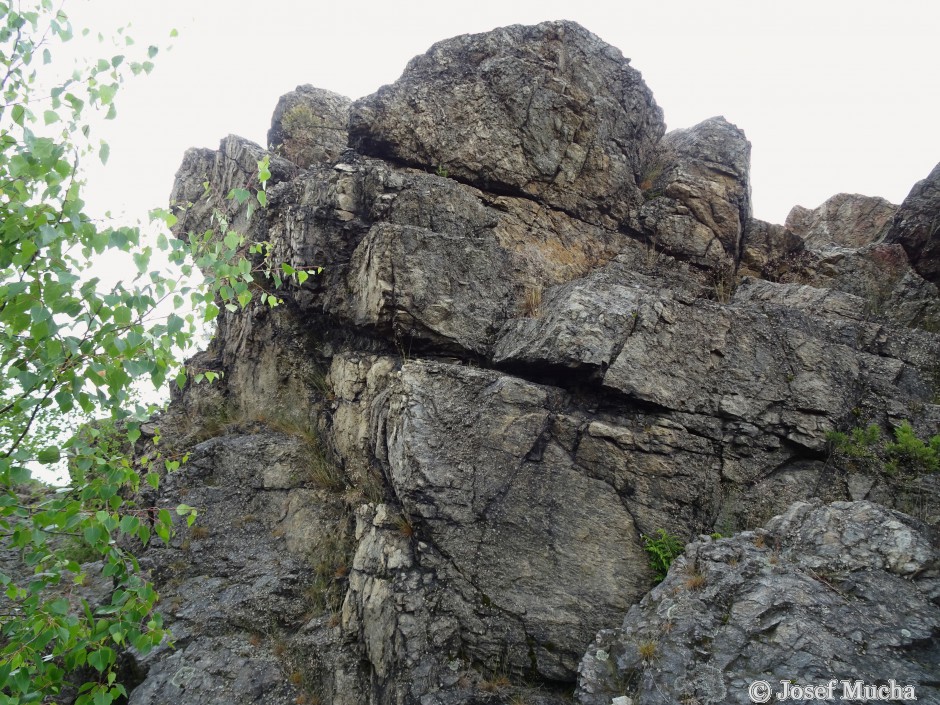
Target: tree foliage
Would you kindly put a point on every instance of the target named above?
(74, 349)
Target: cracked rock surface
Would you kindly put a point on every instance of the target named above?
(813, 596)
(544, 329)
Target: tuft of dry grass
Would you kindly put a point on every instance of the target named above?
(405, 527)
(322, 473)
(532, 301)
(496, 684)
(331, 558)
(695, 581)
(647, 650)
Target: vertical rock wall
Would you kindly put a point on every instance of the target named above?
(543, 330)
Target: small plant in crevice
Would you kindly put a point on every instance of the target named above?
(865, 449)
(724, 280)
(331, 558)
(910, 452)
(857, 442)
(652, 256)
(369, 487)
(317, 379)
(695, 581)
(654, 170)
(405, 527)
(662, 548)
(902, 463)
(647, 650)
(322, 472)
(497, 683)
(532, 301)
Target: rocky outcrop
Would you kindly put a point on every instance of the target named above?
(804, 600)
(548, 112)
(916, 226)
(309, 126)
(698, 194)
(542, 331)
(845, 220)
(844, 245)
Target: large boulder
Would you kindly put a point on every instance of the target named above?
(550, 112)
(309, 126)
(845, 220)
(698, 194)
(847, 591)
(916, 227)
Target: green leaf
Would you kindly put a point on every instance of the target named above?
(104, 151)
(129, 524)
(59, 607)
(48, 455)
(141, 261)
(264, 173)
(240, 195)
(101, 659)
(106, 93)
(232, 240)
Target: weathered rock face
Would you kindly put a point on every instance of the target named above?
(846, 220)
(805, 599)
(242, 588)
(916, 227)
(548, 112)
(309, 126)
(843, 245)
(531, 345)
(698, 194)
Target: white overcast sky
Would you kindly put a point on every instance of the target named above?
(834, 95)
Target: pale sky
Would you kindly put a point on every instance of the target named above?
(834, 95)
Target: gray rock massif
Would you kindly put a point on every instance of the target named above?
(544, 329)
